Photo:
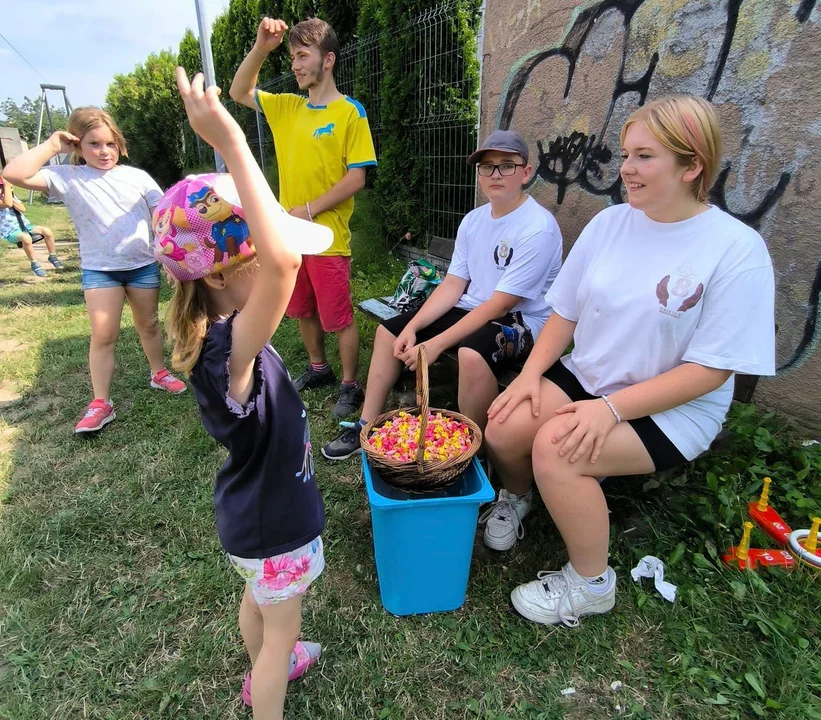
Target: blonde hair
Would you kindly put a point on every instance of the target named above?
(85, 119)
(687, 126)
(187, 319)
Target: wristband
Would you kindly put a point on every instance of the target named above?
(310, 215)
(612, 409)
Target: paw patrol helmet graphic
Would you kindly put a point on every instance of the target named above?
(200, 228)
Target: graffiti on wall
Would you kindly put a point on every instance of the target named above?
(610, 31)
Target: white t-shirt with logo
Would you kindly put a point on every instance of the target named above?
(111, 210)
(519, 254)
(649, 296)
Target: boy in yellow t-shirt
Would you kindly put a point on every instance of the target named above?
(323, 145)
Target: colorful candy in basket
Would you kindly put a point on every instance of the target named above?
(398, 438)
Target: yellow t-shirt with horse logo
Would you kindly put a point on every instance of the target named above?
(316, 145)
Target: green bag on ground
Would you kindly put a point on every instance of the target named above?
(416, 285)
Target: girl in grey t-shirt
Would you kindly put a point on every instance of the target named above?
(111, 208)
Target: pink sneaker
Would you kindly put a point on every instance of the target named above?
(164, 380)
(303, 657)
(98, 415)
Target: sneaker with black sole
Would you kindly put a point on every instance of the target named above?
(346, 444)
(349, 400)
(312, 379)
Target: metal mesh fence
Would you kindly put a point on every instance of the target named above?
(443, 121)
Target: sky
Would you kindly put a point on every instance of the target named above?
(83, 44)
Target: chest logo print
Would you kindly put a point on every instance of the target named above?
(503, 254)
(682, 290)
(324, 130)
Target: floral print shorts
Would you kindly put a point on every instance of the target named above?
(279, 578)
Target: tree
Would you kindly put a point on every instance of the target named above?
(25, 117)
(147, 107)
(189, 54)
(232, 36)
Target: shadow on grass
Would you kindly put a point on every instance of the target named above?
(109, 565)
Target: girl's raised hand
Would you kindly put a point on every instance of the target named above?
(207, 115)
(63, 142)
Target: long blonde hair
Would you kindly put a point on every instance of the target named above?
(85, 119)
(687, 126)
(187, 319)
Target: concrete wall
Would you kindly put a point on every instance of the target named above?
(565, 74)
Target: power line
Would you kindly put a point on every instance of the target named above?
(21, 56)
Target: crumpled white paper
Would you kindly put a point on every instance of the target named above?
(651, 567)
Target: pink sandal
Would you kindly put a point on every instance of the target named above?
(303, 657)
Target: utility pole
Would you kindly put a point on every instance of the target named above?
(207, 63)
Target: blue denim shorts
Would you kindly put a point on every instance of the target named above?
(146, 277)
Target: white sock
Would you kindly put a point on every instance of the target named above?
(598, 584)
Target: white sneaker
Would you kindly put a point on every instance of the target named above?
(504, 520)
(563, 597)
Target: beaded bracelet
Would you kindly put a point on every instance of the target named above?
(612, 409)
(308, 208)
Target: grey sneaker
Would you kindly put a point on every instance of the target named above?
(349, 400)
(54, 260)
(503, 520)
(37, 270)
(345, 445)
(311, 379)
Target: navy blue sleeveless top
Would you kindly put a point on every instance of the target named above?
(266, 499)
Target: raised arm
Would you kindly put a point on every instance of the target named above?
(269, 38)
(24, 170)
(278, 265)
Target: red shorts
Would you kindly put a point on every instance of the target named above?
(323, 287)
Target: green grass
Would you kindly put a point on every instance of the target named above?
(116, 603)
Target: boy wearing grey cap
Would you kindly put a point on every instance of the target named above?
(491, 304)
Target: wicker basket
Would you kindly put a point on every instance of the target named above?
(422, 475)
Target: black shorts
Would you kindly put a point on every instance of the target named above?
(662, 452)
(499, 342)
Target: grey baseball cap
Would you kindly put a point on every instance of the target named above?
(503, 141)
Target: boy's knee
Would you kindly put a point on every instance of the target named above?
(24, 239)
(384, 336)
(471, 363)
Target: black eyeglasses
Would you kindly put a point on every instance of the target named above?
(505, 169)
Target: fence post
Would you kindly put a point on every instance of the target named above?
(207, 63)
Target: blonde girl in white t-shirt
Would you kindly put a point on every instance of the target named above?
(664, 298)
(111, 207)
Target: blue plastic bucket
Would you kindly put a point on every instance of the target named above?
(423, 544)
